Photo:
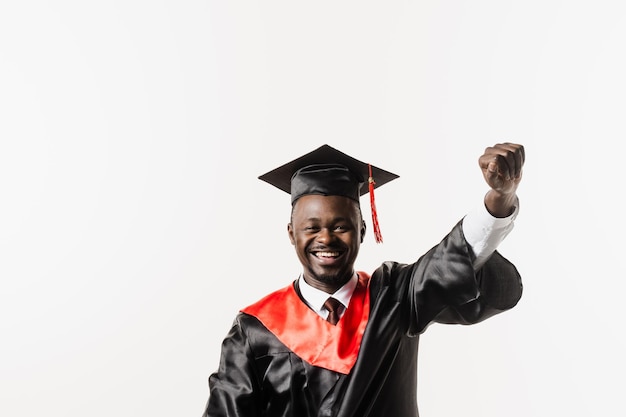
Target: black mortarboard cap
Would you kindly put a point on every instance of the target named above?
(327, 171)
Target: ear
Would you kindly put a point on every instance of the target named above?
(363, 229)
(290, 232)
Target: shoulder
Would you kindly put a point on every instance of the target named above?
(390, 273)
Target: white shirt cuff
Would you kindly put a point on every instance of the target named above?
(484, 233)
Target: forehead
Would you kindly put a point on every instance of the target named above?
(319, 206)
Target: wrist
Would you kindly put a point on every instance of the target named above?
(500, 204)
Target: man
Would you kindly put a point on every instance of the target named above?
(294, 353)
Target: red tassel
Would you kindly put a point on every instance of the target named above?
(377, 234)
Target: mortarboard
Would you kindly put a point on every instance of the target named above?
(327, 171)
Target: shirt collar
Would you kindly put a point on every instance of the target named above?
(315, 298)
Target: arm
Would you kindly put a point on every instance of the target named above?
(486, 227)
(462, 280)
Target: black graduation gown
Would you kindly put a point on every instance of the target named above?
(259, 376)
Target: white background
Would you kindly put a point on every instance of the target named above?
(133, 225)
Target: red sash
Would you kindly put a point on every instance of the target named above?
(311, 337)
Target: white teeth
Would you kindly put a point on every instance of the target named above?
(327, 254)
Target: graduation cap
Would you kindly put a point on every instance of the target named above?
(327, 171)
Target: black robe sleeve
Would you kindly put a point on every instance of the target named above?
(444, 288)
(234, 387)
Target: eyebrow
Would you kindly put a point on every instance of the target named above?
(335, 220)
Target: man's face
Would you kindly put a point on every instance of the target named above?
(327, 232)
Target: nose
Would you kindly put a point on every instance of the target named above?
(325, 235)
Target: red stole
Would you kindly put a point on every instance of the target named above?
(311, 337)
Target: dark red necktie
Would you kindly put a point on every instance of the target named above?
(333, 306)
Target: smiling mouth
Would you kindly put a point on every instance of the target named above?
(327, 254)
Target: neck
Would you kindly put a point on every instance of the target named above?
(327, 287)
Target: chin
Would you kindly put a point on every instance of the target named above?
(332, 279)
